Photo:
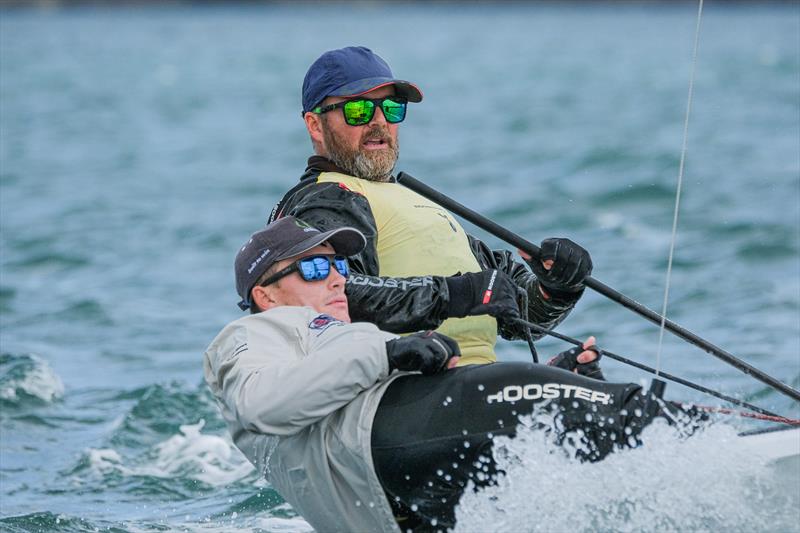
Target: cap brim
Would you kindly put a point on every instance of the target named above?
(404, 88)
(345, 241)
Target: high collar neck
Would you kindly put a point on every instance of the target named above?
(318, 163)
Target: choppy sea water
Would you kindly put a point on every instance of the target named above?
(139, 147)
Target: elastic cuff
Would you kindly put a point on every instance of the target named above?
(460, 290)
(562, 297)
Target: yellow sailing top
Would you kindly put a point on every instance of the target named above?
(416, 238)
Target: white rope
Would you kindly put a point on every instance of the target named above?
(680, 186)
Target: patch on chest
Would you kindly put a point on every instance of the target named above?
(323, 322)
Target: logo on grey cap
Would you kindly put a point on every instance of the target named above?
(307, 228)
(258, 260)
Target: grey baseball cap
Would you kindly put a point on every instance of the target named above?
(284, 238)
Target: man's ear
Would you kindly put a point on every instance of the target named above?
(314, 127)
(263, 297)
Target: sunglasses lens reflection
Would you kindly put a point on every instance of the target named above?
(341, 265)
(359, 112)
(393, 111)
(318, 267)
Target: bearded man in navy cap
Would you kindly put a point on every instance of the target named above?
(419, 269)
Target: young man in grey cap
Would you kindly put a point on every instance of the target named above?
(405, 277)
(346, 420)
(298, 384)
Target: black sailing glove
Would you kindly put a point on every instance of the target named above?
(426, 351)
(571, 266)
(489, 292)
(568, 360)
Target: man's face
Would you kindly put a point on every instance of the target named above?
(325, 296)
(370, 151)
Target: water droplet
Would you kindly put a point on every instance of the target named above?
(358, 503)
(466, 444)
(439, 472)
(414, 507)
(434, 521)
(480, 387)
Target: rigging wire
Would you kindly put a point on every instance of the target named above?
(679, 187)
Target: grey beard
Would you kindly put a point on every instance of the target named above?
(370, 166)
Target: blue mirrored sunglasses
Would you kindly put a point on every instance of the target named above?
(312, 268)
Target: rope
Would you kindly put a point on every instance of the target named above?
(640, 366)
(758, 416)
(522, 296)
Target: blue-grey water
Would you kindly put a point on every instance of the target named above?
(139, 147)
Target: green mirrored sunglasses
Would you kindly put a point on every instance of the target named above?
(360, 111)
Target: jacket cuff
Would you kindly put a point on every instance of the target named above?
(559, 298)
(460, 292)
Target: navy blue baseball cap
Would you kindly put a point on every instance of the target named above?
(351, 71)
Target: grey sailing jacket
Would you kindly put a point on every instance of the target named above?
(299, 391)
